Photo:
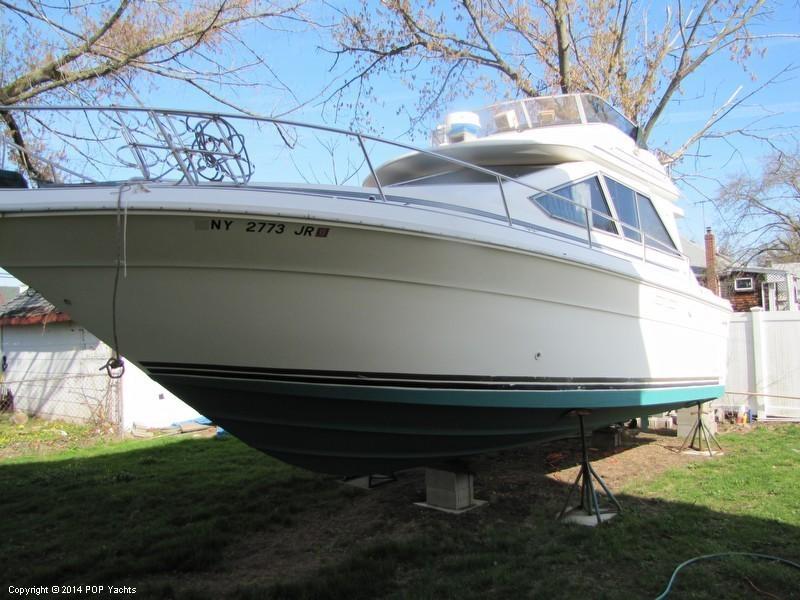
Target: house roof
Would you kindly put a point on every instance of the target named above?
(749, 269)
(30, 308)
(696, 253)
(791, 267)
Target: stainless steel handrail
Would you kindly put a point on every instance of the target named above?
(183, 155)
(371, 168)
(275, 121)
(51, 163)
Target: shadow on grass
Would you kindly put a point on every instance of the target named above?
(632, 557)
(168, 507)
(213, 518)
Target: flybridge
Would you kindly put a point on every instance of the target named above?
(530, 113)
(185, 147)
(194, 147)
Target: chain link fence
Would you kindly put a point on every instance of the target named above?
(54, 372)
(77, 397)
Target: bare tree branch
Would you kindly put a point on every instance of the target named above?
(765, 208)
(613, 48)
(687, 64)
(95, 50)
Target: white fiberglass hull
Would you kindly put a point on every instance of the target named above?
(350, 348)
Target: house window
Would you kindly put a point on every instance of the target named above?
(743, 284)
(624, 199)
(567, 203)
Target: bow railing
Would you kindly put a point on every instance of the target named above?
(184, 147)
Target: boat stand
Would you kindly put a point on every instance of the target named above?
(589, 504)
(449, 488)
(699, 431)
(370, 481)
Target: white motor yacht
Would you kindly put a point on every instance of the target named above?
(465, 298)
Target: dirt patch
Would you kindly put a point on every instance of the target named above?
(516, 482)
(642, 458)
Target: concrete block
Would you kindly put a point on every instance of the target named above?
(687, 417)
(607, 438)
(658, 421)
(661, 422)
(451, 490)
(578, 516)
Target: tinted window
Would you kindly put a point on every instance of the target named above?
(624, 198)
(583, 193)
(600, 111)
(465, 175)
(560, 208)
(561, 110)
(452, 177)
(656, 234)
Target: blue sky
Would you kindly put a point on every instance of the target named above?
(306, 68)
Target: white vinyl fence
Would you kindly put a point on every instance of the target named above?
(764, 364)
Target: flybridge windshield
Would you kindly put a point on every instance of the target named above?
(530, 113)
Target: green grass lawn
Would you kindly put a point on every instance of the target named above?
(186, 518)
(38, 438)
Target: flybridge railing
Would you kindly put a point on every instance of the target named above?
(202, 147)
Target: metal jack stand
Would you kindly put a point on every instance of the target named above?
(589, 504)
(700, 430)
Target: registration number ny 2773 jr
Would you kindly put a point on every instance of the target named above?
(264, 227)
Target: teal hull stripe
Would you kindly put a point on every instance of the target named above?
(497, 398)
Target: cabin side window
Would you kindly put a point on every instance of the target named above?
(567, 202)
(656, 234)
(624, 199)
(638, 215)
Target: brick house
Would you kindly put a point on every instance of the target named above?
(705, 261)
(771, 288)
(776, 287)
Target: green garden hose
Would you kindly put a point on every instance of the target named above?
(667, 590)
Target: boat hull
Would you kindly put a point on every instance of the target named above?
(323, 423)
(348, 348)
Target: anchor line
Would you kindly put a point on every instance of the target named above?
(115, 366)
